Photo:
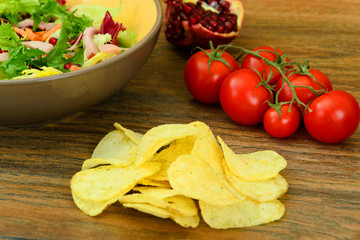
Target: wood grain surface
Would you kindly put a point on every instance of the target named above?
(323, 201)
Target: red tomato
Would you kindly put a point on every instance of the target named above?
(305, 95)
(285, 124)
(322, 79)
(335, 116)
(204, 83)
(253, 62)
(241, 99)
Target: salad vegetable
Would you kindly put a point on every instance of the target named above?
(44, 37)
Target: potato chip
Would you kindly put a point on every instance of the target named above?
(170, 154)
(154, 183)
(161, 136)
(207, 149)
(176, 204)
(157, 192)
(261, 191)
(134, 136)
(143, 199)
(196, 179)
(92, 208)
(254, 166)
(181, 205)
(163, 171)
(242, 214)
(185, 221)
(108, 182)
(116, 148)
(148, 208)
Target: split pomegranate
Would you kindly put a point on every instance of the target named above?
(193, 23)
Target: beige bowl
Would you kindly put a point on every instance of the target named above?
(39, 99)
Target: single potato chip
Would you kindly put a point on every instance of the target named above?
(154, 183)
(207, 149)
(168, 155)
(92, 208)
(157, 192)
(261, 191)
(184, 221)
(116, 148)
(177, 204)
(242, 214)
(109, 182)
(148, 208)
(161, 136)
(181, 205)
(143, 199)
(254, 166)
(196, 179)
(134, 136)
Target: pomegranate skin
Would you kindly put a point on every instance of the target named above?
(194, 23)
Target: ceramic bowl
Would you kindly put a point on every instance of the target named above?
(44, 98)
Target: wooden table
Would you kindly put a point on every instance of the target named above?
(323, 201)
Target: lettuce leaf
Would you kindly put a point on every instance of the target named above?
(8, 38)
(13, 9)
(55, 58)
(95, 12)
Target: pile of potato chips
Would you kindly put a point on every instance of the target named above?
(175, 169)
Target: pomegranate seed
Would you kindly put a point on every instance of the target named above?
(221, 29)
(53, 41)
(193, 20)
(187, 9)
(67, 66)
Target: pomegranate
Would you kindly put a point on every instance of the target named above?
(193, 23)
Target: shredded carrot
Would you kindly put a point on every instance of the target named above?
(28, 33)
(48, 33)
(74, 68)
(40, 33)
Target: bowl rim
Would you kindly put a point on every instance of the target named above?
(131, 51)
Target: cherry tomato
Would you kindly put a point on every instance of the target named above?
(335, 116)
(283, 125)
(253, 62)
(305, 95)
(204, 83)
(242, 99)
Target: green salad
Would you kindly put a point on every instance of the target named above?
(43, 37)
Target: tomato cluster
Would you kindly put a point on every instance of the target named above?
(268, 88)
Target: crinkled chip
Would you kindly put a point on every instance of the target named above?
(242, 214)
(154, 183)
(196, 179)
(185, 221)
(181, 205)
(207, 149)
(160, 136)
(157, 192)
(134, 136)
(254, 166)
(148, 208)
(143, 199)
(108, 182)
(117, 148)
(177, 204)
(168, 155)
(261, 191)
(92, 208)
